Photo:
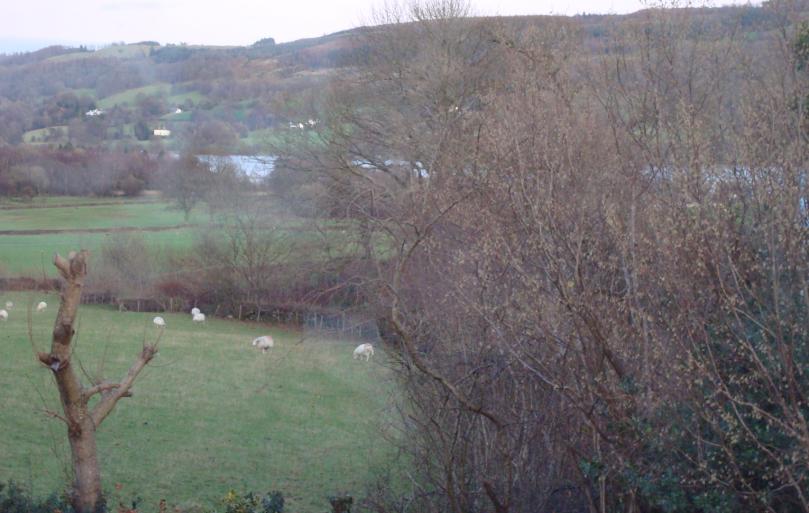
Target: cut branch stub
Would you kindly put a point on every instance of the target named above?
(51, 361)
(62, 266)
(75, 267)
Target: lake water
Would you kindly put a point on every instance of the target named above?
(255, 167)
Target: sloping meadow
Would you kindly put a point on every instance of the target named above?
(209, 414)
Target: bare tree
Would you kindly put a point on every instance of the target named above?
(81, 420)
(226, 187)
(185, 181)
(253, 255)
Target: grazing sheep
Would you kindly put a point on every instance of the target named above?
(42, 306)
(264, 343)
(159, 321)
(200, 317)
(3, 315)
(195, 311)
(9, 305)
(366, 350)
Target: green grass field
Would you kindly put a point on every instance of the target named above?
(84, 91)
(131, 51)
(58, 201)
(178, 99)
(111, 215)
(38, 135)
(183, 117)
(128, 97)
(24, 253)
(209, 414)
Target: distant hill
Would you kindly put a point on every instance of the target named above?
(11, 45)
(240, 94)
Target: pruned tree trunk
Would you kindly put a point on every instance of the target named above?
(87, 480)
(80, 420)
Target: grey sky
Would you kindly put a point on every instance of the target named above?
(225, 22)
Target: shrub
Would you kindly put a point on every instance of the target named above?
(131, 185)
(272, 502)
(341, 503)
(14, 499)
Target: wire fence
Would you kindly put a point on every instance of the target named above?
(313, 320)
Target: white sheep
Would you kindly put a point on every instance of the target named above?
(159, 321)
(264, 343)
(200, 317)
(42, 306)
(366, 350)
(195, 311)
(9, 305)
(3, 315)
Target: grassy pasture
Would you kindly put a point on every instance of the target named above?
(182, 117)
(59, 201)
(109, 215)
(84, 91)
(25, 253)
(131, 51)
(209, 414)
(178, 99)
(34, 136)
(128, 97)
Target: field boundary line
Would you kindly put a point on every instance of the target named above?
(116, 229)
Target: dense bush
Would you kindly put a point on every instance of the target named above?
(15, 499)
(597, 293)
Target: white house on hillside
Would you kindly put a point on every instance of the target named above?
(161, 132)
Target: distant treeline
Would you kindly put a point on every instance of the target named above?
(74, 171)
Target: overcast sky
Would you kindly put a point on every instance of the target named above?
(34, 23)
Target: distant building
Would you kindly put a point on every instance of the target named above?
(178, 110)
(94, 112)
(162, 132)
(300, 126)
